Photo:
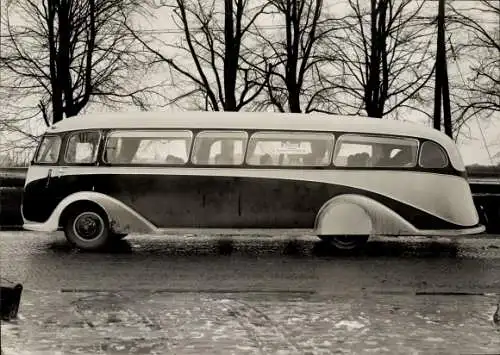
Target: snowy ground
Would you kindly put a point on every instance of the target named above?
(180, 323)
(175, 295)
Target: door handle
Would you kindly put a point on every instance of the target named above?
(49, 175)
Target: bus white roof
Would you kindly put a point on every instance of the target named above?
(243, 120)
(257, 121)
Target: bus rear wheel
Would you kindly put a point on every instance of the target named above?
(87, 228)
(345, 242)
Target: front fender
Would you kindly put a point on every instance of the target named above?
(122, 218)
(352, 214)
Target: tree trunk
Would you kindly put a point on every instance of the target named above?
(231, 54)
(439, 67)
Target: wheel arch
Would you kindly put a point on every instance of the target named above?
(121, 218)
(81, 204)
(352, 214)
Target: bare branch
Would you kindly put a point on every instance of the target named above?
(65, 55)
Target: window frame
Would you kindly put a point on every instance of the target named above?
(139, 133)
(276, 134)
(209, 131)
(56, 162)
(441, 148)
(66, 147)
(379, 136)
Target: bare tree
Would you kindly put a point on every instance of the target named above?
(66, 54)
(213, 39)
(383, 60)
(295, 59)
(479, 94)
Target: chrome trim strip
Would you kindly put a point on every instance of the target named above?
(451, 232)
(36, 227)
(261, 232)
(484, 181)
(42, 227)
(10, 188)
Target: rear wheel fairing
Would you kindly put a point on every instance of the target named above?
(259, 198)
(360, 215)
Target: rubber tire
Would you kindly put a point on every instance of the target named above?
(88, 245)
(355, 242)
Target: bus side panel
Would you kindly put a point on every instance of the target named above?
(194, 201)
(286, 203)
(173, 201)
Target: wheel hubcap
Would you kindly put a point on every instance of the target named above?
(88, 226)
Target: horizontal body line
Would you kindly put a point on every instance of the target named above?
(187, 290)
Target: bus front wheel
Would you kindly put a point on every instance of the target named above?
(345, 242)
(87, 228)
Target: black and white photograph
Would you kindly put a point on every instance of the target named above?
(249, 177)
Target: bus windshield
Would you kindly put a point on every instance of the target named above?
(48, 151)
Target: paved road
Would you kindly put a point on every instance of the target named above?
(290, 295)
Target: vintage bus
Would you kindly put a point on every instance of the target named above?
(100, 177)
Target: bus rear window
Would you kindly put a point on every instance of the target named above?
(290, 149)
(354, 150)
(48, 152)
(432, 156)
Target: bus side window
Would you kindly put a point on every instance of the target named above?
(219, 148)
(374, 151)
(432, 156)
(299, 149)
(48, 153)
(352, 154)
(148, 147)
(82, 148)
